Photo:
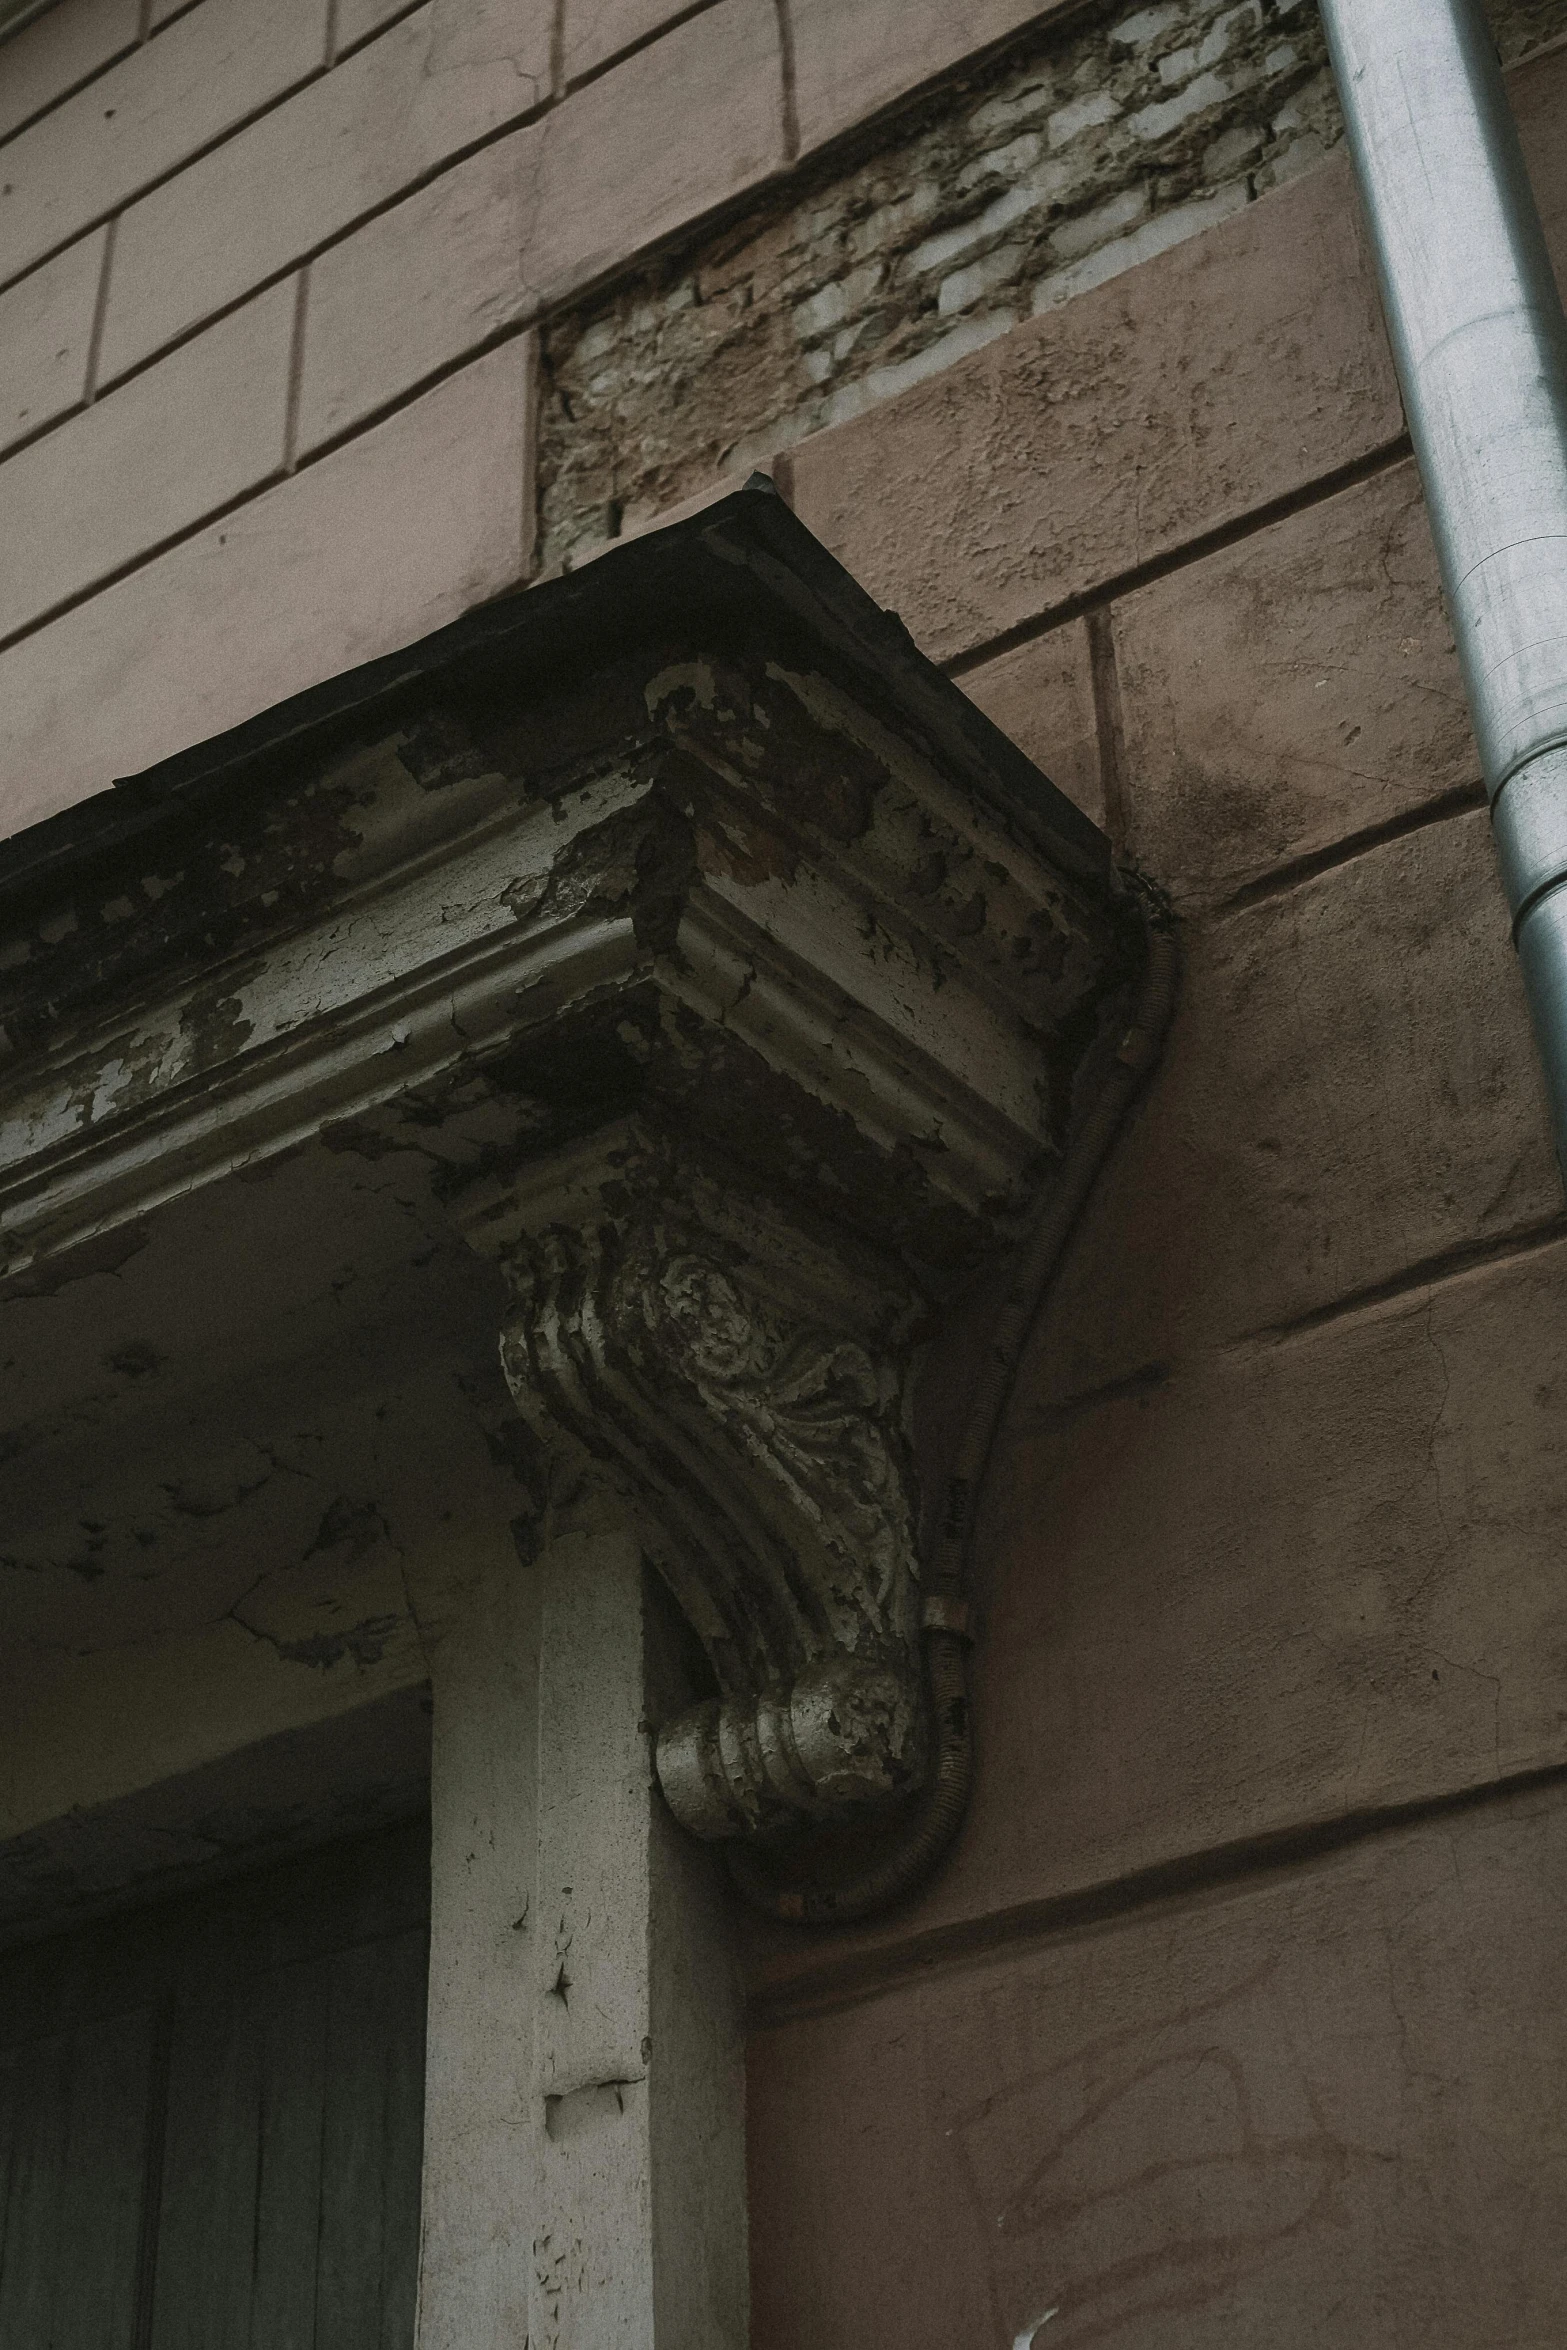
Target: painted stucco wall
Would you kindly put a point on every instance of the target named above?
(1237, 2017)
(273, 288)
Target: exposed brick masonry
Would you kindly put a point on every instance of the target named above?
(1095, 144)
(1093, 140)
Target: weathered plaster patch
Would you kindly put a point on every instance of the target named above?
(997, 198)
(907, 259)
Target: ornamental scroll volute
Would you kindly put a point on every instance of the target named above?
(740, 1382)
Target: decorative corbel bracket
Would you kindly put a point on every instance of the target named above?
(692, 944)
(742, 1384)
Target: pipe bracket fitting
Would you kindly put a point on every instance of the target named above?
(1529, 824)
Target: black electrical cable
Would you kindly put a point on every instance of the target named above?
(920, 1840)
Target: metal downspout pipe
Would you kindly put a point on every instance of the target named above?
(1480, 344)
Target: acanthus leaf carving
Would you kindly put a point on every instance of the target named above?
(743, 1386)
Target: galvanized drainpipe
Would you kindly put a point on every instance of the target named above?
(1480, 345)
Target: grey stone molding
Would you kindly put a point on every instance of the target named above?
(714, 968)
(743, 1385)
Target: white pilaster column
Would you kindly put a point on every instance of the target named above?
(480, 2160)
(584, 2147)
(637, 2033)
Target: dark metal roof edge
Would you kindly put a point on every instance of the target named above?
(752, 529)
(840, 611)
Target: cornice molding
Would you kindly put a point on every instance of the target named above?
(769, 975)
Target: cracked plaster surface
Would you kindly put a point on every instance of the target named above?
(1088, 148)
(1003, 196)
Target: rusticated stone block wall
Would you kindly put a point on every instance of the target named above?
(272, 284)
(1100, 137)
(1322, 2106)
(1237, 2016)
(1095, 145)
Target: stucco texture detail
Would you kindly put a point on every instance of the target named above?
(1091, 151)
(1089, 147)
(1356, 718)
(1322, 2107)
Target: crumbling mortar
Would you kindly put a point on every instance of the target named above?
(1088, 146)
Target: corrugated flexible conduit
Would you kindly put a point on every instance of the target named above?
(922, 1838)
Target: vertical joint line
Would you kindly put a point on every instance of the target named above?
(783, 475)
(144, 21)
(296, 371)
(1109, 726)
(558, 50)
(100, 312)
(532, 410)
(329, 57)
(154, 2133)
(791, 107)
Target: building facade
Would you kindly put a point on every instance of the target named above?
(1235, 2008)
